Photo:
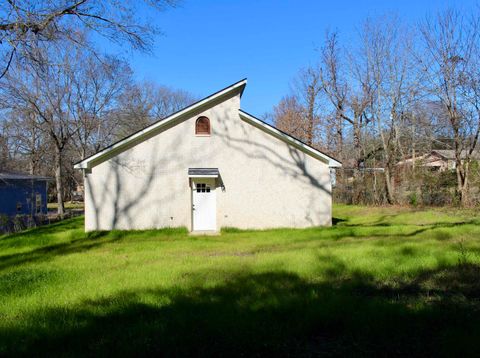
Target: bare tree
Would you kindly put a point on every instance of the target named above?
(28, 141)
(347, 89)
(143, 103)
(388, 63)
(4, 147)
(46, 92)
(334, 85)
(96, 89)
(25, 24)
(346, 94)
(306, 87)
(449, 59)
(168, 100)
(298, 112)
(397, 95)
(289, 116)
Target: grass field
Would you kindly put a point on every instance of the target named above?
(381, 281)
(69, 205)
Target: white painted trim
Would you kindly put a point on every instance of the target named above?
(332, 163)
(87, 163)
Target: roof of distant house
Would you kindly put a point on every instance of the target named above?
(450, 153)
(7, 175)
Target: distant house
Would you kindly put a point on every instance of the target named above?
(77, 194)
(437, 160)
(350, 168)
(23, 194)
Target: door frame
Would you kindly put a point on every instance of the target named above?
(213, 185)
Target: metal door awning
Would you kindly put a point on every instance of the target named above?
(203, 173)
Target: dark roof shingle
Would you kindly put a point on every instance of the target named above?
(5, 175)
(203, 171)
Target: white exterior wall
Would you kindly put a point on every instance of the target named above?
(268, 183)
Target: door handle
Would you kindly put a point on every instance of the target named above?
(193, 207)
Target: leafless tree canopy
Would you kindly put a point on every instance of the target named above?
(61, 99)
(289, 116)
(143, 103)
(25, 24)
(395, 94)
(380, 103)
(63, 111)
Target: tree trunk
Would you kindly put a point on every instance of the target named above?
(462, 182)
(389, 185)
(310, 119)
(339, 135)
(358, 181)
(58, 181)
(32, 159)
(356, 144)
(465, 197)
(311, 99)
(461, 166)
(31, 166)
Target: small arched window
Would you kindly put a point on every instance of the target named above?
(202, 126)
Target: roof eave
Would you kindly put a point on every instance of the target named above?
(332, 163)
(81, 165)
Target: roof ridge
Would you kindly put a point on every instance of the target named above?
(118, 144)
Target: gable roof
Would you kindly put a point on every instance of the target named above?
(450, 154)
(440, 154)
(87, 162)
(239, 86)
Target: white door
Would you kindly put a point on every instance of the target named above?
(204, 205)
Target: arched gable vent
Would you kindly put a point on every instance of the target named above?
(202, 126)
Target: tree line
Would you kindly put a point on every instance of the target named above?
(396, 91)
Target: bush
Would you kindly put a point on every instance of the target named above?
(413, 199)
(419, 187)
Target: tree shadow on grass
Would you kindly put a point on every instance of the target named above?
(274, 313)
(45, 253)
(77, 243)
(50, 229)
(336, 221)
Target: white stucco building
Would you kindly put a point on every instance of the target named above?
(208, 166)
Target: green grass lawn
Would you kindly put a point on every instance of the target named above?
(381, 281)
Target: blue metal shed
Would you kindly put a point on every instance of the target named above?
(23, 194)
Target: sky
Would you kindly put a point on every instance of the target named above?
(207, 45)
